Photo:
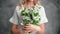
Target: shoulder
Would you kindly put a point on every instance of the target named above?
(42, 7)
(38, 5)
(18, 7)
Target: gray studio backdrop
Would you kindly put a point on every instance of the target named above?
(52, 8)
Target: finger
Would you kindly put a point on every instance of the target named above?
(27, 30)
(26, 26)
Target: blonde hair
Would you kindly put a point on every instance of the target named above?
(21, 2)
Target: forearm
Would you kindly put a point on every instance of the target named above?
(17, 31)
(40, 32)
(42, 28)
(14, 29)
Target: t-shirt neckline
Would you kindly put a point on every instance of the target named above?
(29, 7)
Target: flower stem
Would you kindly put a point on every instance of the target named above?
(29, 32)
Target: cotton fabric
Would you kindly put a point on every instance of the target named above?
(14, 18)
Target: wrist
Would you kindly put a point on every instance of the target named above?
(38, 29)
(40, 32)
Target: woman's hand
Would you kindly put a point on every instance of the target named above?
(31, 27)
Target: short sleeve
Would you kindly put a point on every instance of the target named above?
(43, 15)
(14, 19)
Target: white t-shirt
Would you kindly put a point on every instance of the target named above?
(14, 18)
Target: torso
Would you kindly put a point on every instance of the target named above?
(20, 26)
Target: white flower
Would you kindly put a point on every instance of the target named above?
(25, 17)
(31, 14)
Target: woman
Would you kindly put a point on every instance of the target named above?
(29, 27)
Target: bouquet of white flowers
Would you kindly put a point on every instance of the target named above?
(31, 15)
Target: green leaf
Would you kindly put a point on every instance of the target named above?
(36, 14)
(31, 14)
(26, 21)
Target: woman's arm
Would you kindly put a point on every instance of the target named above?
(42, 27)
(14, 29)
